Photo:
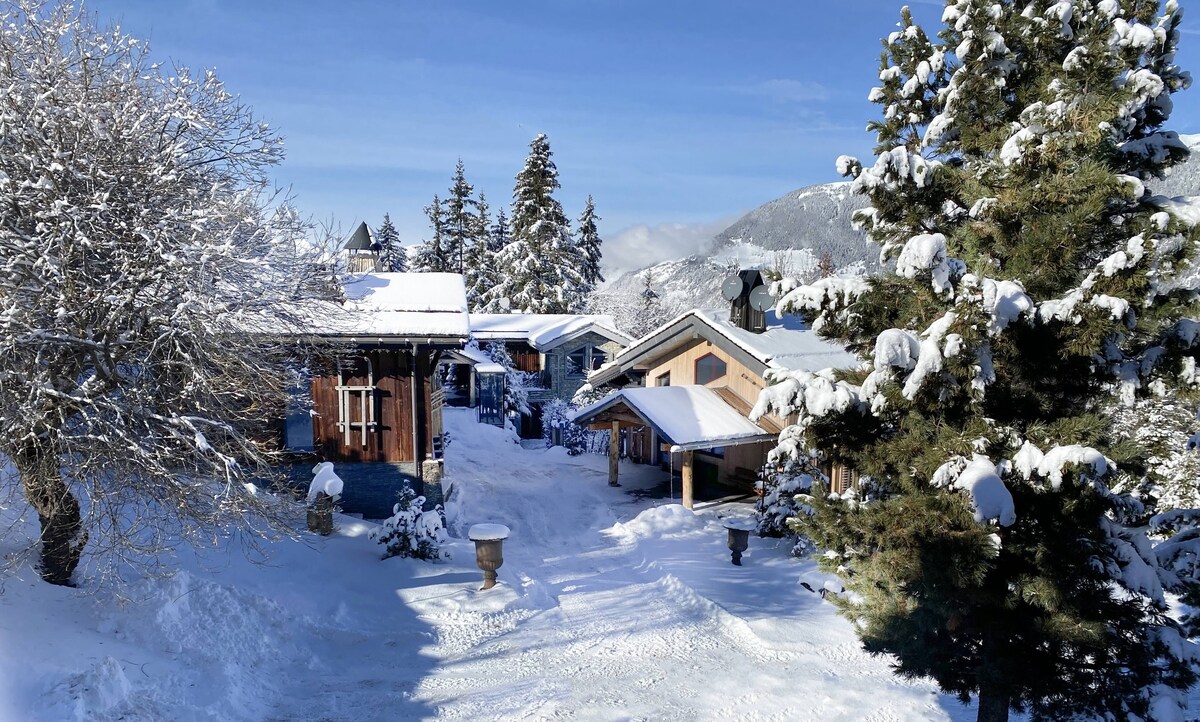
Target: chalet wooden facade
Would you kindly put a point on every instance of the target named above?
(716, 356)
(376, 410)
(380, 405)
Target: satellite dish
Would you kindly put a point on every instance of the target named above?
(761, 298)
(732, 288)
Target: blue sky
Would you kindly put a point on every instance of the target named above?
(677, 116)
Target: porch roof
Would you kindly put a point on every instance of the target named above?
(687, 417)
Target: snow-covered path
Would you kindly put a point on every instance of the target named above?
(608, 608)
(608, 616)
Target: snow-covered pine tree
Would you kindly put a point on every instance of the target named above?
(498, 235)
(788, 477)
(1033, 271)
(410, 533)
(588, 245)
(461, 224)
(147, 273)
(480, 273)
(392, 256)
(432, 255)
(636, 312)
(539, 267)
(1161, 427)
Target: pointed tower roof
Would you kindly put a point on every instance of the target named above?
(361, 240)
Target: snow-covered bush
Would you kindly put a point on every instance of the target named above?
(410, 532)
(558, 428)
(785, 485)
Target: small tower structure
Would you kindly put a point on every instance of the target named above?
(362, 251)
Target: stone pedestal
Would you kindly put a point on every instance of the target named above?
(739, 537)
(320, 515)
(489, 550)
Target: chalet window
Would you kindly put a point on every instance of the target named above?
(663, 380)
(585, 359)
(709, 368)
(841, 478)
(352, 398)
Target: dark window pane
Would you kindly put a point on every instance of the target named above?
(709, 368)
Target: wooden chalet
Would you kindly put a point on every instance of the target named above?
(377, 410)
(685, 390)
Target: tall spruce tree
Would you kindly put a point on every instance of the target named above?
(461, 224)
(480, 272)
(498, 235)
(588, 245)
(432, 255)
(539, 267)
(1034, 276)
(392, 256)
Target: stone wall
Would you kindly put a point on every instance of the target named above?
(371, 489)
(564, 386)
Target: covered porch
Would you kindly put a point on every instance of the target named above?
(685, 418)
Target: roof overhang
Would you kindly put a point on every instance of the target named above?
(447, 342)
(689, 327)
(687, 417)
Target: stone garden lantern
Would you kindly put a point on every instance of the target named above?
(739, 529)
(489, 550)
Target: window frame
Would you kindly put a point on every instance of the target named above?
(593, 359)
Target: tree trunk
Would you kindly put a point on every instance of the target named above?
(993, 706)
(63, 538)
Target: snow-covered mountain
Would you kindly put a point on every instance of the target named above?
(789, 234)
(1185, 177)
(795, 231)
(815, 217)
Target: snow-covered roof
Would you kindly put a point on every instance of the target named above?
(481, 361)
(690, 417)
(786, 343)
(397, 305)
(544, 331)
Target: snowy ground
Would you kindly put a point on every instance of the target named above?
(609, 608)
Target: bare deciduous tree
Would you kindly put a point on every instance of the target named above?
(147, 277)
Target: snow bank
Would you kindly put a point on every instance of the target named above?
(98, 692)
(668, 520)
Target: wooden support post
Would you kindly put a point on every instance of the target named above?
(614, 453)
(688, 458)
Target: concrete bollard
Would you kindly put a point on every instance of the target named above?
(489, 550)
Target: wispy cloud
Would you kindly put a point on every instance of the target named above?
(787, 90)
(643, 245)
